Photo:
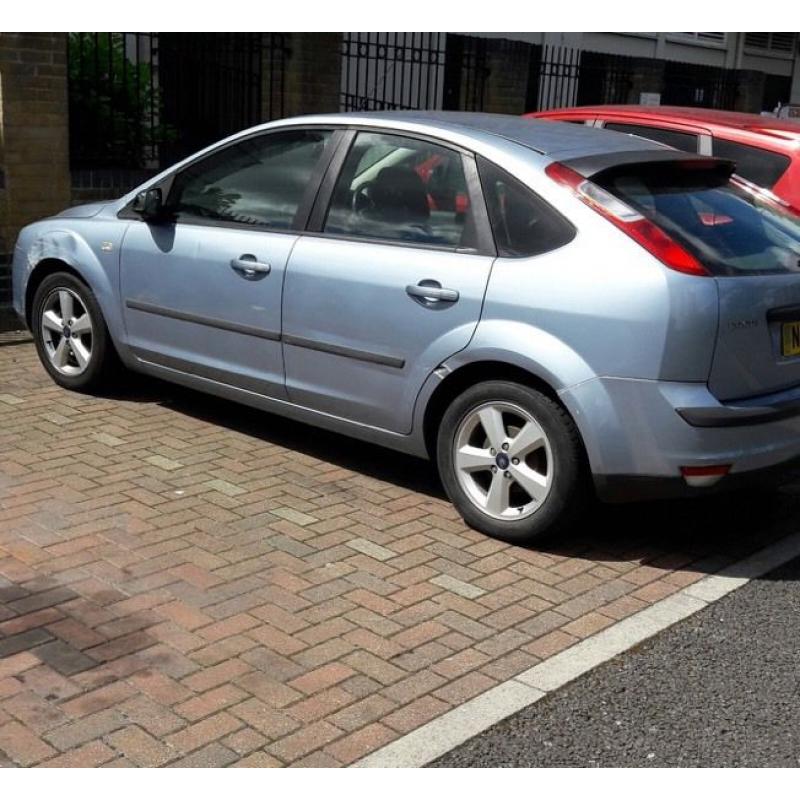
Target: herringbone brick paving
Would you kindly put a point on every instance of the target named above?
(187, 582)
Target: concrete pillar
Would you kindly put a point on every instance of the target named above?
(750, 90)
(34, 135)
(508, 67)
(795, 93)
(312, 78)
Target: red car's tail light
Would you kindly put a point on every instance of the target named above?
(641, 230)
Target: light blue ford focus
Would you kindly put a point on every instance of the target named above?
(547, 310)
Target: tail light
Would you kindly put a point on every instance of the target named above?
(641, 230)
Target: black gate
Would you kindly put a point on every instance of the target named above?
(565, 76)
(777, 92)
(604, 78)
(392, 71)
(698, 85)
(141, 101)
(114, 100)
(553, 76)
(466, 71)
(211, 87)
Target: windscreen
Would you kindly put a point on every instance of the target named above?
(731, 228)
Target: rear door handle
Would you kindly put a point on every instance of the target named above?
(432, 291)
(247, 266)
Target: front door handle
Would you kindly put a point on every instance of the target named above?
(247, 266)
(432, 291)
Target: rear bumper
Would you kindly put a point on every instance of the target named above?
(634, 488)
(638, 434)
(753, 411)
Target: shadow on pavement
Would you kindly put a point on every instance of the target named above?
(414, 474)
(718, 529)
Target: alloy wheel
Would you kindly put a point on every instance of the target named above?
(67, 332)
(503, 460)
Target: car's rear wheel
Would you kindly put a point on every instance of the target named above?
(70, 333)
(511, 461)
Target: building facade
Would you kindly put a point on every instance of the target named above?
(772, 59)
(86, 116)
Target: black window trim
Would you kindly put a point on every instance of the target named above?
(484, 240)
(304, 209)
(636, 123)
(749, 146)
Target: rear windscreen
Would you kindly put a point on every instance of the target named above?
(726, 225)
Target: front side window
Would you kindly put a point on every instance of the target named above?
(754, 164)
(522, 223)
(401, 189)
(259, 181)
(677, 139)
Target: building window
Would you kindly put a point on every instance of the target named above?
(711, 39)
(777, 42)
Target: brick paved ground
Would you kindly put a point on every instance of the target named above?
(184, 581)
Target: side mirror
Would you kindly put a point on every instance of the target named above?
(149, 205)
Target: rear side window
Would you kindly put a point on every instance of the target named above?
(522, 223)
(762, 167)
(727, 226)
(399, 188)
(677, 139)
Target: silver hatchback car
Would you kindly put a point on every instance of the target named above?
(544, 309)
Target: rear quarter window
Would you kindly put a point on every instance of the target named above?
(759, 166)
(522, 223)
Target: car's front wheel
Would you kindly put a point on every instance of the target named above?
(70, 333)
(511, 461)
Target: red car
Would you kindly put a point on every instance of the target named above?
(766, 149)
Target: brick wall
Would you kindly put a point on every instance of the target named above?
(508, 73)
(34, 132)
(313, 73)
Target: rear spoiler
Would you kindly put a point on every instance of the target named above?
(606, 163)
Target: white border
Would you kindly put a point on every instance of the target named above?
(439, 736)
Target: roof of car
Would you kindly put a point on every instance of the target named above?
(785, 128)
(547, 138)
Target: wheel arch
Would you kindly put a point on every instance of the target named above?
(61, 250)
(457, 380)
(44, 268)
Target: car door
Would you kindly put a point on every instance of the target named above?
(201, 291)
(388, 282)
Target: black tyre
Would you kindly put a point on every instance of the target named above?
(512, 461)
(70, 333)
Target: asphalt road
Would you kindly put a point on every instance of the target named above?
(720, 689)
